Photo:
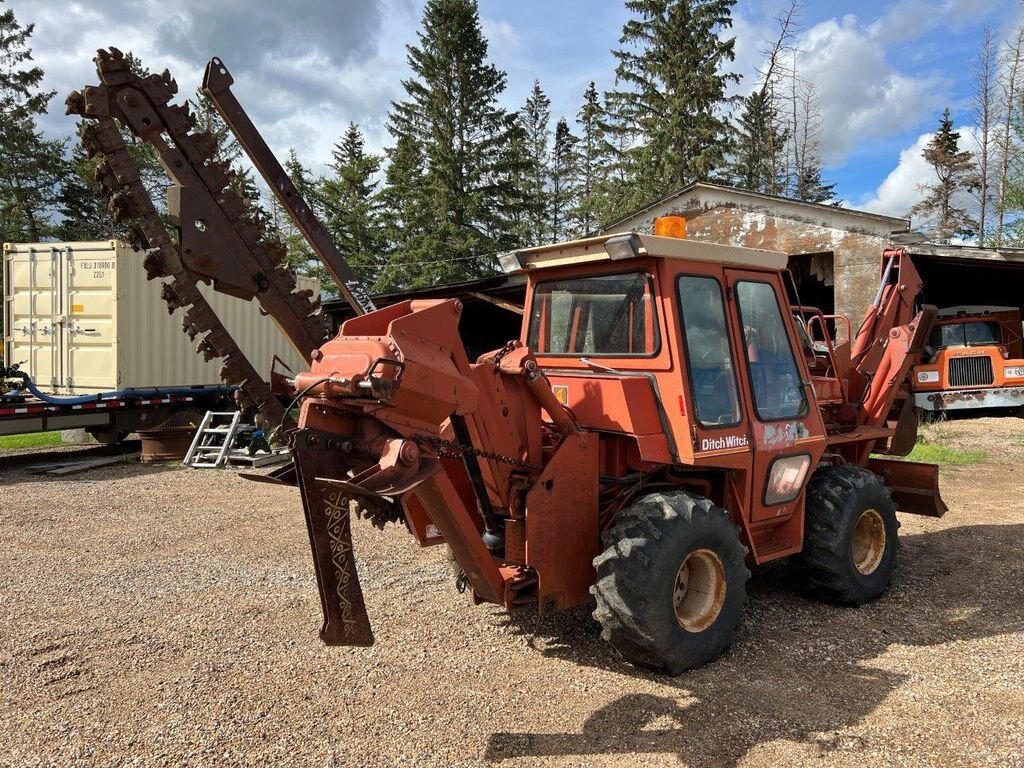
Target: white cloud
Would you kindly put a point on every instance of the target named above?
(502, 38)
(901, 189)
(861, 95)
(909, 19)
(303, 70)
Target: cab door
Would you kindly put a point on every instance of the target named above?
(787, 430)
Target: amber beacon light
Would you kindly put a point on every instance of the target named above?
(670, 226)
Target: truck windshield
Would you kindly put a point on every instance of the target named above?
(965, 334)
(607, 315)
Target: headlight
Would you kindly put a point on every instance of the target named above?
(786, 479)
(1017, 372)
(928, 377)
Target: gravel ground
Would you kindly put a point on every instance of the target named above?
(160, 616)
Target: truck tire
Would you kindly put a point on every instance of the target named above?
(850, 536)
(671, 582)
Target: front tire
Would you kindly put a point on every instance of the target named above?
(850, 536)
(671, 582)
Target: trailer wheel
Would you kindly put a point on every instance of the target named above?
(671, 582)
(850, 533)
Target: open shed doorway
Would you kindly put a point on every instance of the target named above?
(950, 282)
(813, 277)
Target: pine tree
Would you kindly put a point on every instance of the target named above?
(956, 174)
(535, 117)
(564, 183)
(30, 166)
(672, 69)
(351, 207)
(451, 112)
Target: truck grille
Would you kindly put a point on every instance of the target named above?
(970, 372)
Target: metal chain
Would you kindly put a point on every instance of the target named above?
(456, 451)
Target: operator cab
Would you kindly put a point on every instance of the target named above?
(686, 348)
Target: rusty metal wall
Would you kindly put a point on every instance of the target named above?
(855, 254)
(116, 331)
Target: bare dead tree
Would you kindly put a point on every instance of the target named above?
(773, 74)
(1011, 71)
(758, 157)
(985, 109)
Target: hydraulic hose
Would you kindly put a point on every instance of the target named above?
(28, 384)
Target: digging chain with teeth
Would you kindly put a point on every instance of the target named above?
(455, 450)
(123, 99)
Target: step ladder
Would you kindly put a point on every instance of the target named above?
(214, 438)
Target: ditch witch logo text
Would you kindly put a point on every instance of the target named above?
(721, 443)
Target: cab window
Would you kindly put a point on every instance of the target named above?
(606, 315)
(965, 334)
(708, 355)
(774, 377)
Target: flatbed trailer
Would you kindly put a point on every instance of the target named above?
(109, 417)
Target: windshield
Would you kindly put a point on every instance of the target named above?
(965, 334)
(609, 315)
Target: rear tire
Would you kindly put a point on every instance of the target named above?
(671, 583)
(850, 536)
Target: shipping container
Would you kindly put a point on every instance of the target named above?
(84, 318)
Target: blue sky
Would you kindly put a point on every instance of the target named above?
(884, 70)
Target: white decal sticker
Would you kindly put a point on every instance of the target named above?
(721, 443)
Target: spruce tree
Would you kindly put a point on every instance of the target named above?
(760, 146)
(351, 205)
(451, 111)
(518, 207)
(564, 183)
(535, 118)
(811, 189)
(298, 254)
(955, 174)
(672, 75)
(30, 166)
(593, 157)
(407, 229)
(83, 215)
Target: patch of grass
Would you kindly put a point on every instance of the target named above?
(931, 453)
(34, 440)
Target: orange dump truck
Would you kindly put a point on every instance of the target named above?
(974, 359)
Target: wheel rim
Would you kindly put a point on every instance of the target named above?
(868, 547)
(699, 590)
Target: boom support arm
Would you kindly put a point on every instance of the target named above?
(890, 340)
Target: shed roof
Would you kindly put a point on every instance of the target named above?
(763, 200)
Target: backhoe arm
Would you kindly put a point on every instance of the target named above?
(889, 342)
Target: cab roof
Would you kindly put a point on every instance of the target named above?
(979, 310)
(630, 245)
